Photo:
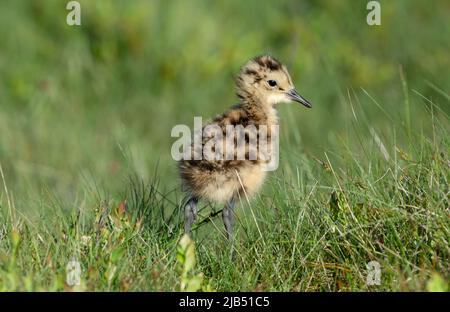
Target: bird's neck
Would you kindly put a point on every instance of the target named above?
(261, 111)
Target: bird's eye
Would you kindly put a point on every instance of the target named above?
(272, 83)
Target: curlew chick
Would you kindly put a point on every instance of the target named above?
(262, 83)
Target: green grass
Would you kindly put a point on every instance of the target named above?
(85, 120)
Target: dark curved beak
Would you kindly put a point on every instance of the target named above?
(294, 96)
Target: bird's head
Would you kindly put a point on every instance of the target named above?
(268, 80)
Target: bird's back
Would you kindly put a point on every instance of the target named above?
(220, 180)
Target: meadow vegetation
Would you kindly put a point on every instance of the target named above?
(86, 171)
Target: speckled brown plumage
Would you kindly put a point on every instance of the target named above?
(223, 181)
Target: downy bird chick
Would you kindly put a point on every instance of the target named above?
(263, 82)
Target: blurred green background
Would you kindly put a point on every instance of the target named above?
(91, 104)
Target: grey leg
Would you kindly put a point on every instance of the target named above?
(228, 218)
(190, 213)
